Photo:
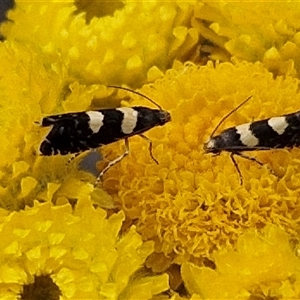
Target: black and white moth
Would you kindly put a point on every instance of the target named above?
(81, 131)
(273, 133)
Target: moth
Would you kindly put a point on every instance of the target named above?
(273, 133)
(76, 132)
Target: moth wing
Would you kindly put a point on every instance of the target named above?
(62, 119)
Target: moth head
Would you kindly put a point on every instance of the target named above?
(164, 117)
(212, 146)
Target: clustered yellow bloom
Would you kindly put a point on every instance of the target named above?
(230, 240)
(253, 31)
(28, 91)
(192, 203)
(130, 47)
(262, 266)
(76, 254)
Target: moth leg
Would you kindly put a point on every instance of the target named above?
(260, 163)
(150, 147)
(113, 162)
(236, 166)
(257, 161)
(252, 159)
(73, 156)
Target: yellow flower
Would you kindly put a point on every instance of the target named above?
(130, 47)
(262, 266)
(192, 203)
(29, 91)
(252, 31)
(51, 251)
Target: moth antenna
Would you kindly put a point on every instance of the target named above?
(137, 93)
(228, 115)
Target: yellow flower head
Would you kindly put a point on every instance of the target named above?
(252, 31)
(30, 90)
(192, 202)
(263, 265)
(128, 47)
(52, 251)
